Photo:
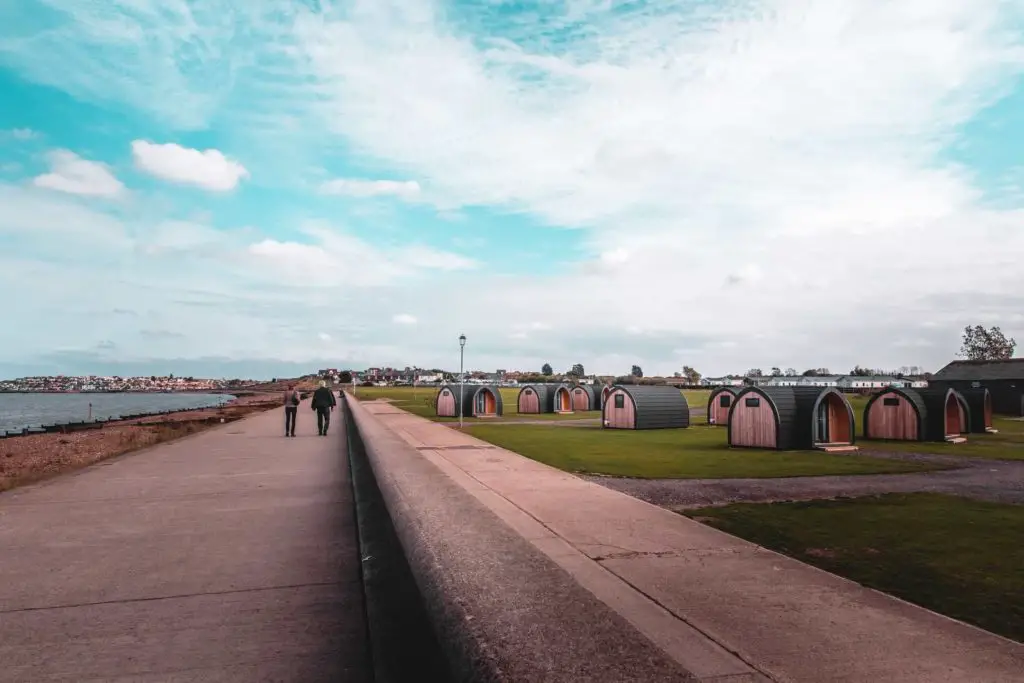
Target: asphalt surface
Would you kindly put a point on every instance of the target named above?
(231, 555)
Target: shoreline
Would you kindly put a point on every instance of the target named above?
(37, 456)
(130, 391)
(235, 399)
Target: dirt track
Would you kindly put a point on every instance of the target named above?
(992, 480)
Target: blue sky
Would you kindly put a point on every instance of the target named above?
(720, 184)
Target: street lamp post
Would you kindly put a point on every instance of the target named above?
(462, 379)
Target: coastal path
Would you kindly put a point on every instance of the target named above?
(229, 555)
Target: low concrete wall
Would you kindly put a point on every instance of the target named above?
(502, 610)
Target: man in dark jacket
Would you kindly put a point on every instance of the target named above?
(291, 409)
(323, 403)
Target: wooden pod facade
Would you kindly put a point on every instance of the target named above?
(536, 398)
(719, 403)
(645, 407)
(934, 414)
(563, 398)
(586, 397)
(789, 418)
(605, 390)
(480, 401)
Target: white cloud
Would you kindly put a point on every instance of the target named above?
(324, 337)
(72, 174)
(208, 169)
(333, 257)
(371, 188)
(793, 150)
(23, 134)
(404, 319)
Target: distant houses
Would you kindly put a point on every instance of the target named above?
(843, 382)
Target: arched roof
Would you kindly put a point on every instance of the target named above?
(794, 409)
(976, 399)
(912, 396)
(468, 393)
(714, 394)
(934, 399)
(657, 406)
(545, 394)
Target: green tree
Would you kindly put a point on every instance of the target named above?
(691, 375)
(755, 372)
(776, 372)
(636, 371)
(345, 377)
(991, 344)
(577, 370)
(546, 370)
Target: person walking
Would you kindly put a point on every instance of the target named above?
(291, 409)
(323, 403)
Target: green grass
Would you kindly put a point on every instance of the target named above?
(697, 398)
(695, 453)
(960, 557)
(1001, 446)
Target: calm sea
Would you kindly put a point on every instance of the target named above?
(18, 411)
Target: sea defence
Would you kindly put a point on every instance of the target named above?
(530, 573)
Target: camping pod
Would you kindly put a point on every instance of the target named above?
(719, 403)
(537, 398)
(980, 402)
(563, 398)
(633, 406)
(480, 400)
(979, 405)
(789, 418)
(933, 414)
(586, 397)
(605, 390)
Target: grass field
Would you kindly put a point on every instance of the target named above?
(1008, 444)
(956, 556)
(694, 453)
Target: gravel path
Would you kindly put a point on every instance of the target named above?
(992, 480)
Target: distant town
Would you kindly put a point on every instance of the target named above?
(858, 378)
(94, 383)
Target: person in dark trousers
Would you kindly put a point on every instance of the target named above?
(323, 403)
(291, 409)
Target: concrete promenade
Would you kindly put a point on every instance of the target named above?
(230, 555)
(722, 608)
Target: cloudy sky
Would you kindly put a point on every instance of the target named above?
(277, 184)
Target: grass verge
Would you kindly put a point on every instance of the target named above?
(960, 557)
(694, 453)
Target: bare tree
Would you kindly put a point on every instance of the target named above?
(990, 344)
(691, 375)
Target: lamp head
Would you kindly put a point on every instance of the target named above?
(462, 340)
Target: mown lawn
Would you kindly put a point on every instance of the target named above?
(960, 557)
(695, 453)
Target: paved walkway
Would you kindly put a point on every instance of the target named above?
(724, 608)
(230, 555)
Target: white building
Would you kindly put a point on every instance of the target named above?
(800, 381)
(721, 381)
(872, 382)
